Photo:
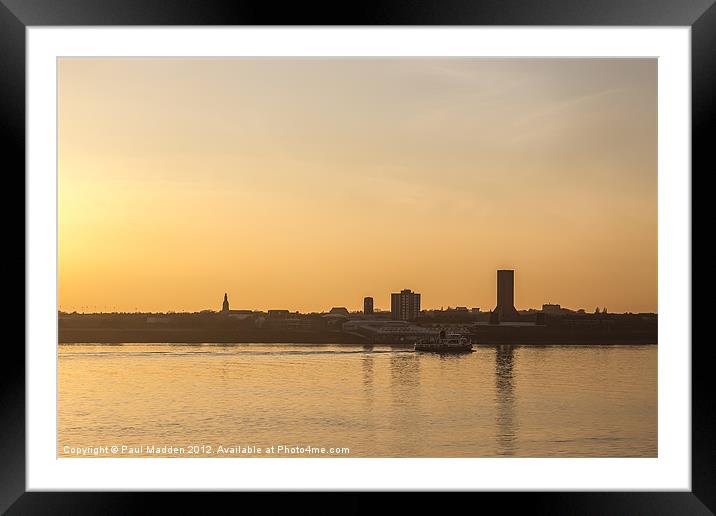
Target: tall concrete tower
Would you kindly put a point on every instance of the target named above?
(225, 305)
(367, 305)
(505, 310)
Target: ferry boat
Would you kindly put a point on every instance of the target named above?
(445, 343)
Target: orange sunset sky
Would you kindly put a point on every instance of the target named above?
(310, 183)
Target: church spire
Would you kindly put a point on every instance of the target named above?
(225, 306)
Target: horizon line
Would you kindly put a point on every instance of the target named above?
(376, 310)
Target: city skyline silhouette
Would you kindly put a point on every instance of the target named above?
(505, 308)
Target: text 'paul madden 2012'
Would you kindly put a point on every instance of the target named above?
(203, 450)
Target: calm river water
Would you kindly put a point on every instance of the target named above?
(221, 400)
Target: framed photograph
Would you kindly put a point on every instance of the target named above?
(430, 248)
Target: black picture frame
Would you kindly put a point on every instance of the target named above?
(17, 15)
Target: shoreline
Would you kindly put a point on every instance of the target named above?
(531, 336)
(363, 345)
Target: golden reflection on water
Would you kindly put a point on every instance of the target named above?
(523, 401)
(504, 400)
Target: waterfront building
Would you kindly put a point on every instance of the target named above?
(389, 332)
(505, 310)
(404, 305)
(226, 311)
(368, 306)
(551, 308)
